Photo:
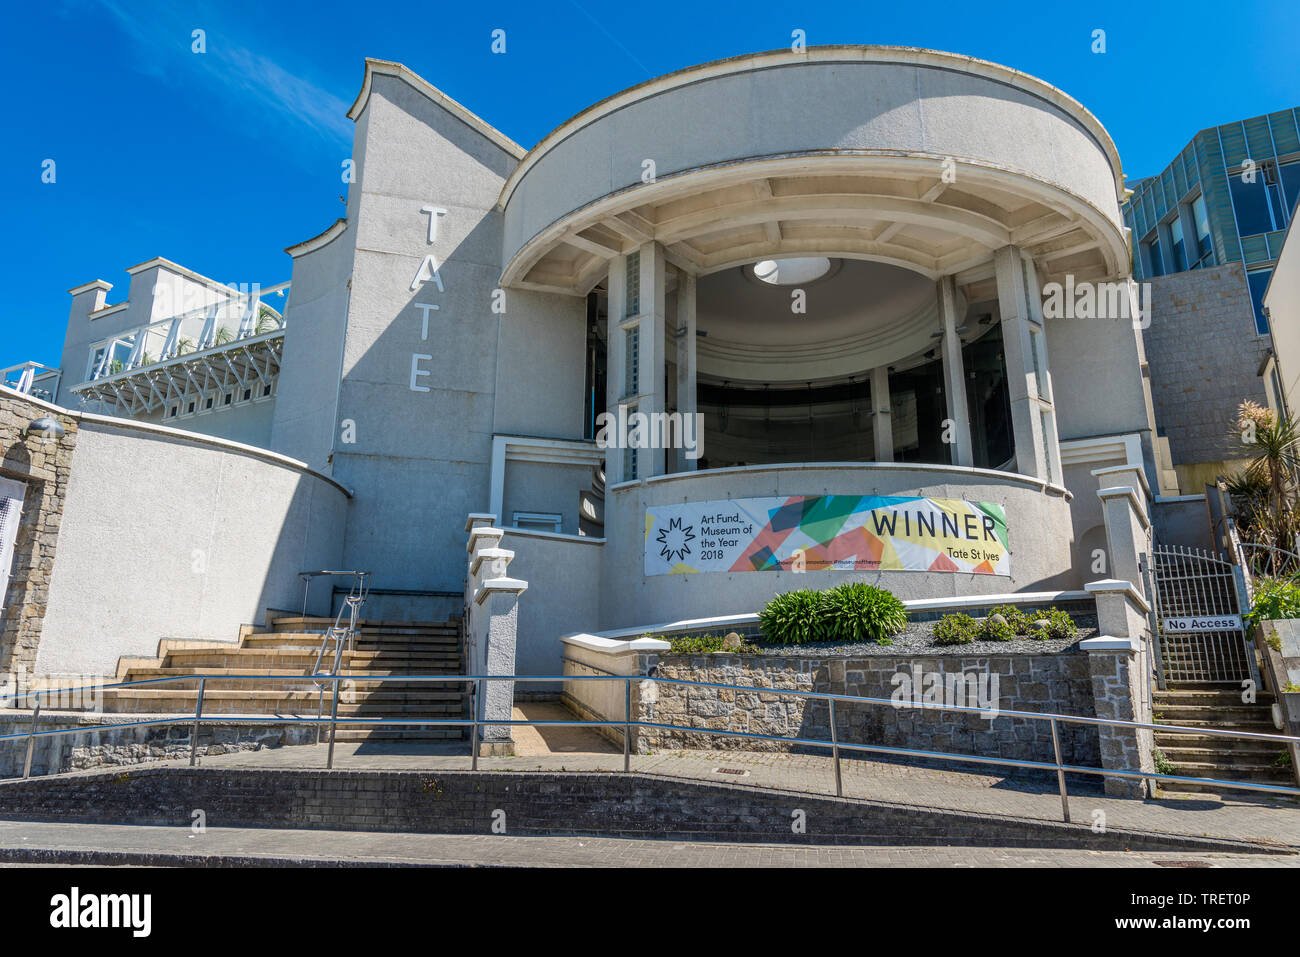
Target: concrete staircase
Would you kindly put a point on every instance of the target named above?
(289, 648)
(1206, 705)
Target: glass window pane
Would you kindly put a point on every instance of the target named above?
(1290, 173)
(1153, 249)
(1258, 283)
(1202, 226)
(1250, 203)
(1176, 235)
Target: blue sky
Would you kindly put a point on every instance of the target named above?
(220, 160)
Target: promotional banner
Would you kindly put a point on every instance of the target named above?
(841, 532)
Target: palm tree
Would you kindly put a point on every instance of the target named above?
(1268, 482)
(268, 320)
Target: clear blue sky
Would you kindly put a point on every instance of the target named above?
(218, 161)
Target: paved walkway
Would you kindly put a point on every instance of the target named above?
(22, 841)
(1271, 822)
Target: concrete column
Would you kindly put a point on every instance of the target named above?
(882, 424)
(492, 626)
(1123, 509)
(652, 398)
(616, 379)
(687, 402)
(1046, 397)
(952, 312)
(1017, 303)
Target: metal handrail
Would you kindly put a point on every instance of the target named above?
(834, 744)
(338, 633)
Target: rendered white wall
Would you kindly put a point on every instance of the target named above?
(165, 536)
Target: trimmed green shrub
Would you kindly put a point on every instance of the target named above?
(955, 629)
(703, 645)
(1019, 622)
(993, 628)
(793, 618)
(1023, 624)
(856, 611)
(1059, 625)
(1275, 598)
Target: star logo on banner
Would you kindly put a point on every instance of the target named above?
(674, 540)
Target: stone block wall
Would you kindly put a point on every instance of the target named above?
(1116, 680)
(1061, 683)
(43, 465)
(1204, 355)
(131, 746)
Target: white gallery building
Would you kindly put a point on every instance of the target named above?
(819, 275)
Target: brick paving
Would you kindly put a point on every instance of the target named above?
(40, 842)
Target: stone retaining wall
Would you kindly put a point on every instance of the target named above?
(1061, 683)
(127, 746)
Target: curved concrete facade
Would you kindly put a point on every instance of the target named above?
(877, 109)
(1039, 531)
(166, 534)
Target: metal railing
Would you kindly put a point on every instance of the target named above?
(34, 379)
(1269, 561)
(338, 633)
(478, 721)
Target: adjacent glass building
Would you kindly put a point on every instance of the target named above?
(1228, 196)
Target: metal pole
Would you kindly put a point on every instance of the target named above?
(334, 717)
(627, 724)
(31, 737)
(306, 583)
(473, 734)
(198, 713)
(1060, 773)
(835, 753)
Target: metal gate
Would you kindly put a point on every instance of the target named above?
(1198, 606)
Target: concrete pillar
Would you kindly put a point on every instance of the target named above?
(952, 312)
(882, 424)
(1125, 503)
(1127, 531)
(491, 627)
(1024, 348)
(652, 397)
(687, 402)
(616, 378)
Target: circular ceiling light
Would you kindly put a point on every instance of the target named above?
(791, 272)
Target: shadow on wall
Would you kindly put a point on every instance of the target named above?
(426, 388)
(174, 537)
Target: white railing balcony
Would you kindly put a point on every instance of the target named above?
(202, 360)
(34, 379)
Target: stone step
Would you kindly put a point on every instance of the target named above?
(1206, 698)
(311, 623)
(1257, 726)
(305, 659)
(1228, 716)
(1193, 754)
(392, 734)
(296, 640)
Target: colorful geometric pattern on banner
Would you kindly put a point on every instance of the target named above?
(819, 532)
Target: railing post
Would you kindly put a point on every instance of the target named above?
(627, 724)
(334, 717)
(473, 734)
(31, 737)
(198, 714)
(835, 752)
(1060, 772)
